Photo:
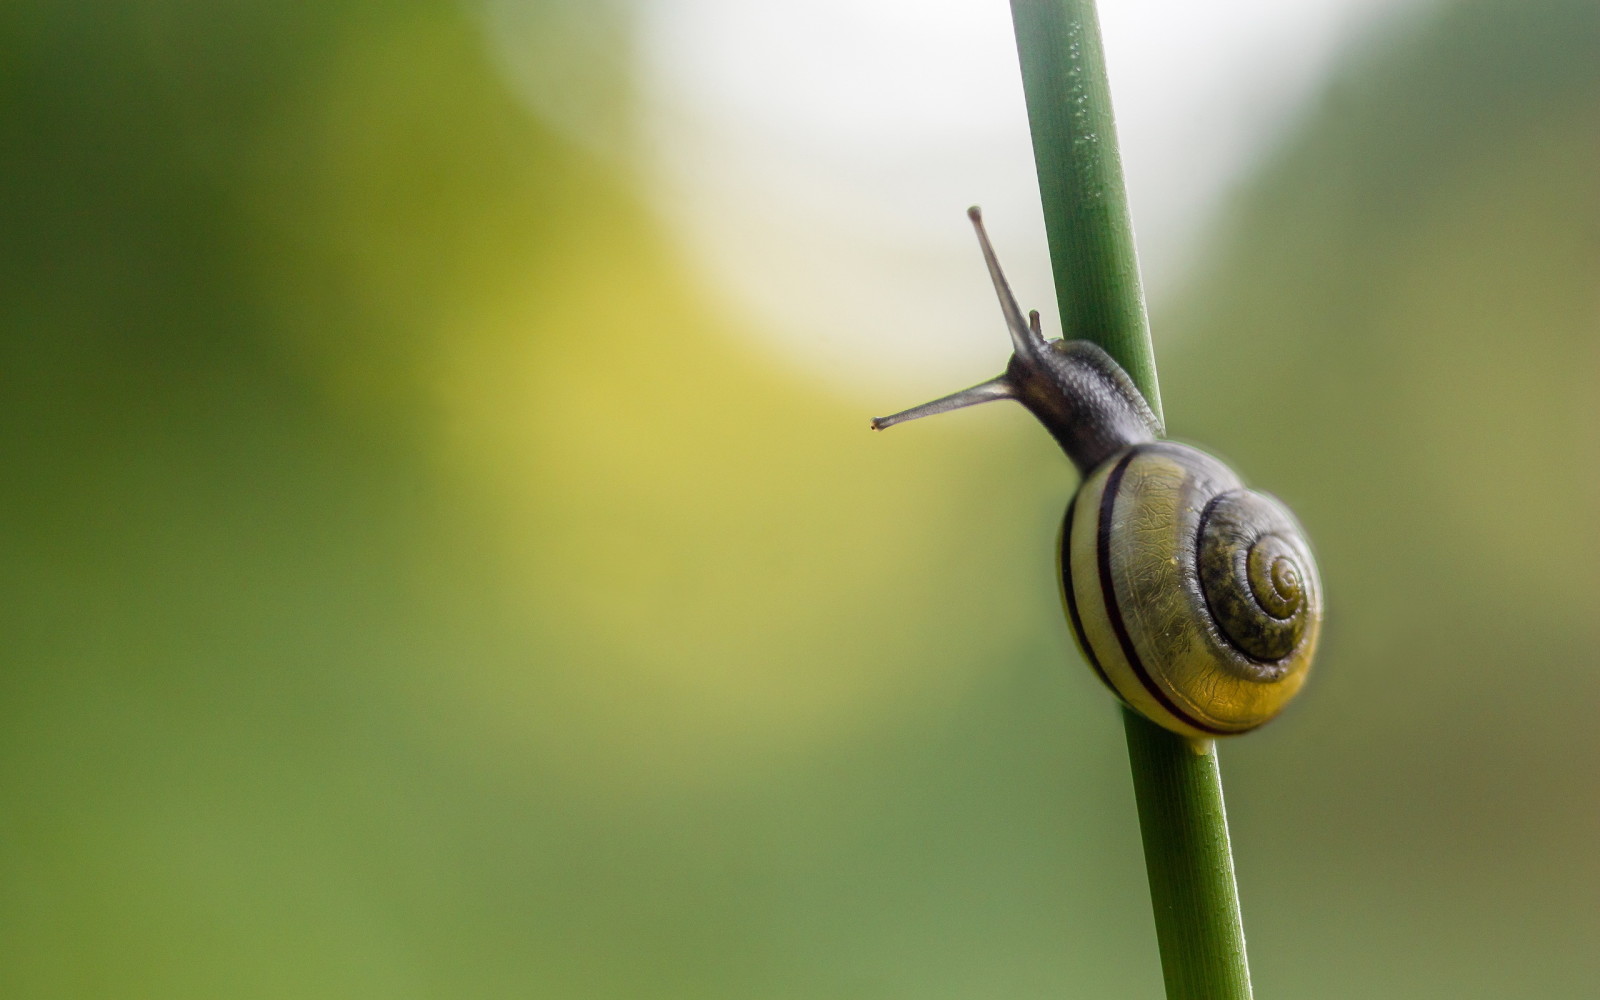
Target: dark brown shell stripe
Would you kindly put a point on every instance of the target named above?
(1070, 593)
(1108, 501)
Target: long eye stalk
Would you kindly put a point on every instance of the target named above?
(995, 388)
(1025, 339)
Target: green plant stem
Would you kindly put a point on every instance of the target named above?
(1176, 782)
(1080, 183)
(1190, 864)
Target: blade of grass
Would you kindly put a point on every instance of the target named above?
(1176, 782)
(1080, 182)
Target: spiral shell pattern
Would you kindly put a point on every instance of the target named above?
(1196, 600)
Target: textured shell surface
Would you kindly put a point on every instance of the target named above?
(1196, 600)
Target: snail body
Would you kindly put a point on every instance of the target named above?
(1195, 600)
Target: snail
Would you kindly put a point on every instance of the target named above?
(1195, 600)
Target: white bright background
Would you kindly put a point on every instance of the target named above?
(815, 159)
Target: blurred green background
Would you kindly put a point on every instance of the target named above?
(416, 586)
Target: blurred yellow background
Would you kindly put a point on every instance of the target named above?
(427, 575)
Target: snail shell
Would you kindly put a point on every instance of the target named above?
(1195, 600)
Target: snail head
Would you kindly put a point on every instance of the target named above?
(1083, 397)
